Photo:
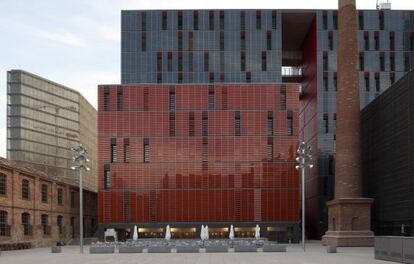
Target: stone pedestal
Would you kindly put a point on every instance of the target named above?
(349, 223)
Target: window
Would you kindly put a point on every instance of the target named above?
(242, 20)
(190, 62)
(27, 228)
(222, 61)
(392, 78)
(204, 124)
(221, 40)
(126, 150)
(4, 227)
(325, 83)
(45, 224)
(290, 123)
(392, 40)
(169, 66)
(361, 20)
(243, 41)
(171, 100)
(274, 19)
(106, 98)
(406, 61)
(222, 77)
(242, 61)
(119, 99)
(180, 20)
(25, 189)
(204, 153)
(3, 184)
(72, 199)
(180, 61)
(269, 40)
(211, 77)
(264, 61)
(412, 41)
(381, 20)
(269, 148)
(190, 41)
(195, 20)
(325, 20)
(270, 123)
(164, 20)
(221, 20)
(206, 63)
(224, 98)
(211, 100)
(211, 20)
(191, 125)
(366, 40)
(377, 82)
(330, 40)
(376, 39)
(325, 123)
(392, 61)
(172, 124)
(335, 81)
(258, 20)
(59, 221)
(60, 196)
(237, 124)
(114, 150)
(159, 61)
(367, 82)
(107, 177)
(283, 97)
(143, 41)
(146, 150)
(334, 121)
(335, 20)
(44, 193)
(180, 40)
(145, 98)
(361, 61)
(325, 61)
(143, 21)
(248, 77)
(382, 61)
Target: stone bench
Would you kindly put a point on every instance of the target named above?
(245, 248)
(159, 249)
(101, 250)
(216, 249)
(188, 249)
(274, 248)
(130, 249)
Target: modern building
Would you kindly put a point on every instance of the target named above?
(387, 148)
(271, 47)
(44, 120)
(37, 210)
(193, 154)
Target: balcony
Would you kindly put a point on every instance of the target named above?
(292, 74)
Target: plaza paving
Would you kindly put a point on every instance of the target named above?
(315, 254)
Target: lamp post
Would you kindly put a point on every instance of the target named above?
(304, 160)
(80, 160)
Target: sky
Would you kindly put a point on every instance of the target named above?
(77, 42)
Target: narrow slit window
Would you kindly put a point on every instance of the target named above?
(107, 178)
(242, 61)
(392, 41)
(290, 123)
(146, 150)
(264, 61)
(143, 41)
(243, 41)
(361, 20)
(283, 97)
(211, 100)
(367, 84)
(392, 61)
(172, 124)
(204, 124)
(377, 41)
(270, 123)
(171, 99)
(325, 123)
(159, 61)
(191, 125)
(269, 40)
(180, 40)
(221, 19)
(180, 20)
(211, 20)
(274, 19)
(119, 99)
(195, 20)
(164, 20)
(325, 20)
(126, 150)
(106, 99)
(242, 20)
(143, 21)
(258, 20)
(206, 62)
(237, 124)
(169, 61)
(366, 40)
(377, 82)
(114, 150)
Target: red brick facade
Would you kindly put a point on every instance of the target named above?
(13, 205)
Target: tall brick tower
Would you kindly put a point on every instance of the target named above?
(349, 214)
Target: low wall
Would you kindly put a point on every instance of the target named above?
(394, 248)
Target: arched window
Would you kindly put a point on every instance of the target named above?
(27, 228)
(3, 184)
(4, 227)
(25, 189)
(60, 223)
(45, 224)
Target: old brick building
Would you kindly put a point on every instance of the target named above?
(38, 209)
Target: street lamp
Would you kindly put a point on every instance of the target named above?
(304, 160)
(80, 160)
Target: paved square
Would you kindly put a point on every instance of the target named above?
(315, 254)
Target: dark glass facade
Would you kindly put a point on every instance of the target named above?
(387, 148)
(193, 154)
